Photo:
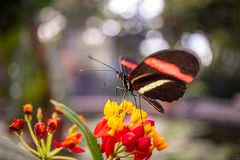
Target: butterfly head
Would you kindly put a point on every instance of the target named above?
(120, 75)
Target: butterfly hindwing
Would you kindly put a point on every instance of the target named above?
(159, 86)
(155, 104)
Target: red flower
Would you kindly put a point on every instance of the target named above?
(101, 129)
(149, 121)
(143, 144)
(52, 125)
(142, 155)
(119, 133)
(138, 131)
(71, 142)
(129, 139)
(107, 145)
(17, 125)
(27, 108)
(40, 129)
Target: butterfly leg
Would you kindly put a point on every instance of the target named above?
(121, 89)
(107, 91)
(135, 100)
(140, 107)
(139, 102)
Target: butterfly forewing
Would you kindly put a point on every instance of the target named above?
(176, 63)
(127, 64)
(164, 74)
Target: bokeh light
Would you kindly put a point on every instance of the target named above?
(150, 9)
(53, 22)
(153, 42)
(199, 43)
(111, 27)
(92, 36)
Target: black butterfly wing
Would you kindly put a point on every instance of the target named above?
(127, 64)
(159, 86)
(155, 104)
(163, 75)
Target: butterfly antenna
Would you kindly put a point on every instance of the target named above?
(96, 70)
(90, 57)
(106, 89)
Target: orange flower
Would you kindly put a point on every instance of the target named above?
(71, 142)
(159, 142)
(27, 108)
(40, 130)
(52, 125)
(58, 110)
(17, 125)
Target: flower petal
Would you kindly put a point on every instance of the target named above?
(101, 129)
(77, 150)
(57, 144)
(109, 147)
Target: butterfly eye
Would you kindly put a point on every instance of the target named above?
(120, 75)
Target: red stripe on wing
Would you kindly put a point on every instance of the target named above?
(168, 68)
(128, 64)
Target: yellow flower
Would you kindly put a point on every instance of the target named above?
(111, 109)
(138, 117)
(115, 123)
(150, 130)
(127, 106)
(159, 142)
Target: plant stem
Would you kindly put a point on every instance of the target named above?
(63, 158)
(121, 149)
(49, 142)
(111, 157)
(35, 140)
(31, 132)
(54, 152)
(28, 147)
(117, 148)
(43, 146)
(125, 156)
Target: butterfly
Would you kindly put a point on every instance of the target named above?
(161, 76)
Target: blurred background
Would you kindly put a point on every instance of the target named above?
(45, 43)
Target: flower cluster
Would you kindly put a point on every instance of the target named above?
(137, 138)
(42, 134)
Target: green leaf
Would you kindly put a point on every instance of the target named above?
(91, 140)
(10, 151)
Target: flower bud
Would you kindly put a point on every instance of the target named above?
(149, 121)
(52, 125)
(159, 142)
(143, 143)
(129, 139)
(40, 129)
(39, 114)
(138, 131)
(17, 126)
(27, 109)
(58, 110)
